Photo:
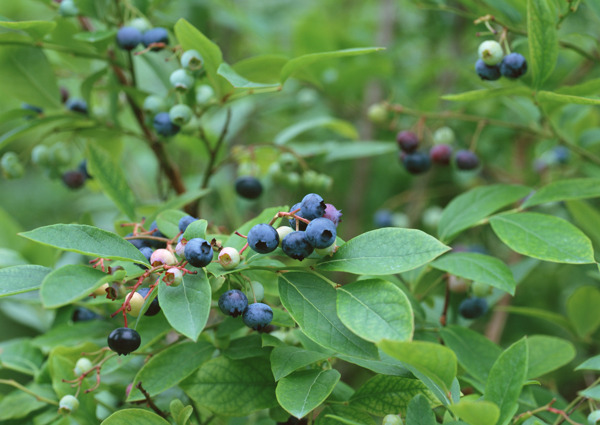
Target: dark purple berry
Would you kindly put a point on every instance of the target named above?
(77, 105)
(296, 246)
(333, 214)
(263, 238)
(416, 163)
(441, 154)
(64, 94)
(124, 340)
(257, 316)
(81, 314)
(154, 307)
(487, 72)
(513, 65)
(407, 141)
(73, 179)
(466, 160)
(472, 308)
(383, 218)
(302, 225)
(233, 302)
(248, 187)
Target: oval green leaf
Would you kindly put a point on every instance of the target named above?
(384, 251)
(134, 416)
(543, 39)
(544, 237)
(287, 359)
(375, 309)
(563, 190)
(168, 222)
(19, 279)
(582, 310)
(476, 412)
(303, 391)
(540, 362)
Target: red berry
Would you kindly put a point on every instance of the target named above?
(440, 154)
(407, 141)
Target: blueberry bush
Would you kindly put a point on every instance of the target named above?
(316, 212)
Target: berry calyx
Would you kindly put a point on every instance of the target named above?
(321, 233)
(191, 60)
(263, 238)
(296, 246)
(248, 187)
(198, 252)
(312, 206)
(407, 141)
(513, 65)
(124, 340)
(257, 316)
(466, 160)
(233, 302)
(229, 258)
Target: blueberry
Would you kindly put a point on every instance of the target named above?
(185, 221)
(173, 277)
(11, 166)
(84, 169)
(136, 302)
(154, 307)
(233, 302)
(466, 160)
(40, 155)
(263, 238)
(490, 52)
(68, 404)
(333, 214)
(257, 316)
(145, 250)
(440, 154)
(487, 72)
(128, 38)
(383, 218)
(73, 179)
(124, 340)
(198, 252)
(157, 233)
(77, 105)
(82, 314)
(472, 308)
(561, 154)
(299, 214)
(83, 365)
(248, 187)
(32, 108)
(204, 93)
(295, 245)
(513, 65)
(138, 243)
(407, 141)
(416, 163)
(320, 233)
(163, 125)
(312, 206)
(154, 36)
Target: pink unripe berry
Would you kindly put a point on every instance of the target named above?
(229, 258)
(163, 257)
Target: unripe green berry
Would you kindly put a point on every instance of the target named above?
(490, 52)
(330, 250)
(59, 154)
(400, 220)
(283, 231)
(191, 60)
(154, 104)
(257, 290)
(173, 277)
(101, 290)
(68, 8)
(310, 179)
(377, 113)
(392, 420)
(136, 303)
(141, 24)
(181, 80)
(292, 179)
(457, 284)
(180, 114)
(11, 166)
(480, 289)
(68, 404)
(216, 283)
(594, 417)
(40, 155)
(432, 216)
(288, 162)
(444, 136)
(229, 258)
(83, 365)
(204, 93)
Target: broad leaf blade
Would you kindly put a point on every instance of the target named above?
(547, 97)
(420, 412)
(544, 237)
(563, 190)
(303, 391)
(582, 310)
(478, 267)
(540, 362)
(88, 240)
(134, 416)
(543, 39)
(470, 96)
(343, 128)
(384, 251)
(477, 412)
(19, 279)
(287, 359)
(239, 82)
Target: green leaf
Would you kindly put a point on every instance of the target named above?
(478, 267)
(18, 404)
(246, 347)
(169, 367)
(263, 68)
(191, 38)
(237, 81)
(197, 229)
(476, 412)
(506, 379)
(384, 251)
(134, 416)
(375, 309)
(433, 360)
(111, 179)
(563, 190)
(295, 65)
(343, 128)
(540, 362)
(311, 302)
(419, 412)
(383, 394)
(543, 39)
(585, 216)
(19, 131)
(73, 282)
(36, 29)
(178, 202)
(544, 237)
(582, 310)
(232, 387)
(21, 355)
(26, 74)
(287, 359)
(333, 151)
(546, 96)
(336, 414)
(593, 393)
(19, 279)
(168, 222)
(475, 353)
(592, 363)
(470, 207)
(88, 240)
(187, 306)
(303, 391)
(470, 96)
(554, 318)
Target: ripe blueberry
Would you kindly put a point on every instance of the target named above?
(68, 404)
(490, 52)
(233, 302)
(81, 314)
(312, 206)
(229, 258)
(513, 65)
(320, 233)
(302, 225)
(198, 252)
(128, 38)
(257, 316)
(155, 37)
(263, 238)
(77, 105)
(192, 60)
(295, 245)
(440, 154)
(416, 163)
(333, 214)
(472, 308)
(84, 169)
(164, 126)
(248, 187)
(487, 72)
(185, 221)
(466, 160)
(124, 340)
(154, 307)
(407, 141)
(180, 114)
(383, 218)
(138, 243)
(561, 154)
(156, 233)
(73, 179)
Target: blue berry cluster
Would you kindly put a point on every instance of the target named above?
(493, 64)
(235, 303)
(129, 37)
